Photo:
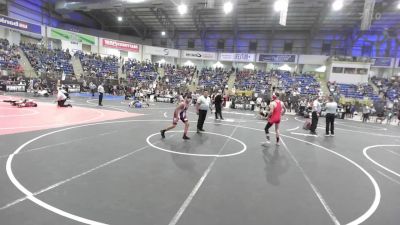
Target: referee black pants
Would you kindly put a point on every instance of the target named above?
(218, 111)
(100, 98)
(202, 118)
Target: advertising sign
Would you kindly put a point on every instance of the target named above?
(237, 57)
(382, 62)
(125, 46)
(199, 55)
(71, 36)
(161, 51)
(20, 25)
(274, 58)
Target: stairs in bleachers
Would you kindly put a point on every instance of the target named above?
(77, 66)
(26, 65)
(323, 83)
(193, 86)
(231, 82)
(120, 73)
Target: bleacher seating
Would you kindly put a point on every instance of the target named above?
(177, 77)
(358, 92)
(8, 56)
(390, 87)
(48, 61)
(305, 84)
(140, 73)
(252, 81)
(97, 66)
(213, 79)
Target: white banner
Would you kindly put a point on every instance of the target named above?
(199, 55)
(237, 57)
(160, 51)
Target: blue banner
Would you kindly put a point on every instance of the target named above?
(382, 62)
(277, 58)
(20, 25)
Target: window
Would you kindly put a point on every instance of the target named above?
(288, 47)
(253, 46)
(350, 70)
(362, 71)
(221, 44)
(337, 70)
(326, 48)
(191, 44)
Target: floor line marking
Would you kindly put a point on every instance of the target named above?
(388, 177)
(20, 187)
(58, 144)
(313, 187)
(365, 150)
(293, 129)
(303, 134)
(75, 177)
(110, 107)
(377, 197)
(391, 151)
(361, 132)
(196, 188)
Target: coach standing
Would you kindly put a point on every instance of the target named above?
(203, 104)
(331, 108)
(100, 89)
(218, 105)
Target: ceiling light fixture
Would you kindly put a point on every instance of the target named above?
(182, 9)
(228, 7)
(398, 5)
(337, 5)
(163, 33)
(279, 5)
(119, 18)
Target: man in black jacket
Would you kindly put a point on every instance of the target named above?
(218, 105)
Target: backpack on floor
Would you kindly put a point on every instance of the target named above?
(307, 125)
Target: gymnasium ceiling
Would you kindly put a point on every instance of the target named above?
(149, 17)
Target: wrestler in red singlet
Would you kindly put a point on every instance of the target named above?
(274, 117)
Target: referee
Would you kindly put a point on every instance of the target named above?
(100, 89)
(203, 104)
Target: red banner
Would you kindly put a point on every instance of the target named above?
(125, 46)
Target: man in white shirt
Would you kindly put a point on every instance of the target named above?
(100, 89)
(331, 108)
(61, 98)
(203, 104)
(316, 110)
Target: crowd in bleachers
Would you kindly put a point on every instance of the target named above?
(214, 79)
(253, 81)
(177, 77)
(303, 84)
(96, 66)
(9, 56)
(389, 88)
(47, 61)
(141, 74)
(358, 92)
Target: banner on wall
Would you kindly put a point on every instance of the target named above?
(237, 57)
(20, 25)
(160, 51)
(124, 46)
(71, 36)
(275, 58)
(382, 62)
(199, 55)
